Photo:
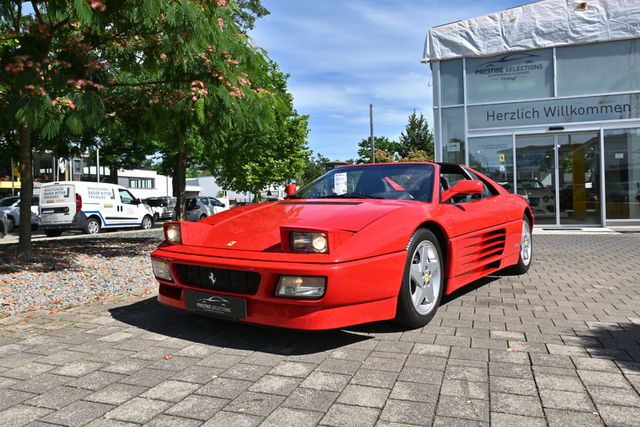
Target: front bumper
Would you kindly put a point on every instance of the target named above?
(357, 292)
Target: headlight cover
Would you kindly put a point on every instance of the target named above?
(172, 233)
(161, 269)
(303, 287)
(303, 241)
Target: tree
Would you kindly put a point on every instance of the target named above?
(382, 143)
(314, 167)
(248, 162)
(73, 73)
(417, 137)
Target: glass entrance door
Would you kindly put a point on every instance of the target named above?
(559, 174)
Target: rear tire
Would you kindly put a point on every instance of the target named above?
(92, 226)
(423, 280)
(526, 252)
(52, 233)
(147, 223)
(12, 224)
(203, 216)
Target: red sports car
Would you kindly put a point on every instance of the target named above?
(361, 243)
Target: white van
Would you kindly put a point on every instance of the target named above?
(90, 206)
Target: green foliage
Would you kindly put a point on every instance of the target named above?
(382, 143)
(416, 144)
(417, 137)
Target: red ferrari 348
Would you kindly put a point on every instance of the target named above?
(361, 243)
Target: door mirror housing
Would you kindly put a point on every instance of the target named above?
(291, 189)
(463, 188)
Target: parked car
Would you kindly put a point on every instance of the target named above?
(198, 208)
(541, 198)
(4, 225)
(11, 207)
(362, 243)
(162, 207)
(90, 206)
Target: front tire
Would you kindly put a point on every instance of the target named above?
(92, 226)
(203, 216)
(12, 224)
(423, 280)
(526, 251)
(146, 223)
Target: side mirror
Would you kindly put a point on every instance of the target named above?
(464, 187)
(291, 189)
(137, 201)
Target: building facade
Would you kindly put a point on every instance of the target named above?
(545, 99)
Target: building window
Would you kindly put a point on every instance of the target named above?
(493, 156)
(622, 173)
(451, 82)
(142, 183)
(453, 147)
(598, 68)
(510, 77)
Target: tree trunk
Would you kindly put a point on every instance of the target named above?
(179, 181)
(26, 191)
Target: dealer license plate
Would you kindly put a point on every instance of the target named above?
(216, 305)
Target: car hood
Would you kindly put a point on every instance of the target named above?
(257, 227)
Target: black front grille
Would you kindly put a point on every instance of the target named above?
(241, 282)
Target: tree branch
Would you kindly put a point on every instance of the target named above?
(34, 4)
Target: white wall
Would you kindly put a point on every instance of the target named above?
(209, 187)
(163, 185)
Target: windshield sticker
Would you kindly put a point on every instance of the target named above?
(340, 183)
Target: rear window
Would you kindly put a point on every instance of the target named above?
(57, 194)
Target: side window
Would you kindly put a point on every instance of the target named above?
(35, 201)
(204, 200)
(126, 197)
(486, 191)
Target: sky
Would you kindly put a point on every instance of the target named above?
(346, 54)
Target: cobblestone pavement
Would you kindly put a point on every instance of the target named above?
(558, 346)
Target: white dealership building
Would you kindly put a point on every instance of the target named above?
(545, 99)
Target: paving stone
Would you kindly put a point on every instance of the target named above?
(515, 404)
(226, 388)
(614, 396)
(619, 415)
(563, 418)
(292, 417)
(202, 374)
(509, 420)
(163, 420)
(364, 396)
(116, 394)
(422, 361)
(473, 409)
(557, 399)
(441, 421)
(466, 373)
(603, 378)
(513, 370)
(350, 416)
(198, 407)
(9, 398)
(138, 410)
(96, 380)
(431, 350)
(255, 403)
(20, 415)
(227, 419)
(170, 390)
(593, 364)
(58, 397)
(311, 399)
(28, 371)
(327, 381)
(465, 389)
(275, 384)
(338, 366)
(558, 382)
(293, 369)
(78, 368)
(415, 391)
(104, 422)
(383, 363)
(147, 377)
(513, 385)
(77, 414)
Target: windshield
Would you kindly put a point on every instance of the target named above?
(407, 181)
(8, 201)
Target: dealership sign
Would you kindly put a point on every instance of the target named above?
(557, 111)
(511, 67)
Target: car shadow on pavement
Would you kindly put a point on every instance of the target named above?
(151, 316)
(56, 255)
(619, 342)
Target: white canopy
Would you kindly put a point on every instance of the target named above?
(546, 23)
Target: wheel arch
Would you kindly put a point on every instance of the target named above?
(529, 215)
(96, 216)
(443, 239)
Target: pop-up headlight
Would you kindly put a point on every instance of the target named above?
(302, 241)
(172, 233)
